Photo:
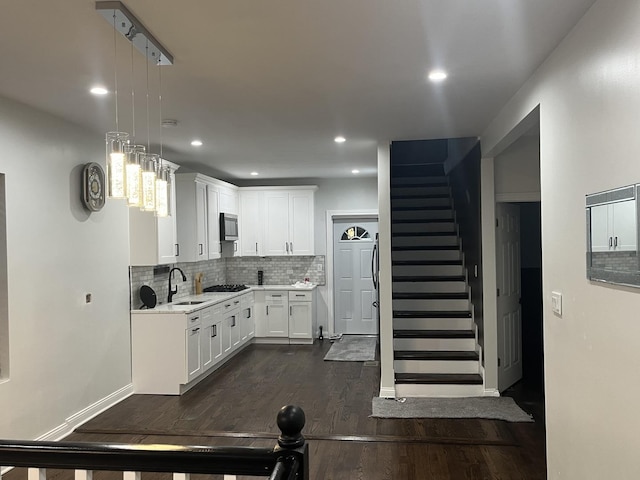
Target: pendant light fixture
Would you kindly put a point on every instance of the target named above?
(116, 141)
(132, 171)
(163, 174)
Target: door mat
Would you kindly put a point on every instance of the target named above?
(352, 348)
(492, 408)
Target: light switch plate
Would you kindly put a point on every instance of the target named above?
(556, 303)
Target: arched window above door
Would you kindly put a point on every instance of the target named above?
(355, 233)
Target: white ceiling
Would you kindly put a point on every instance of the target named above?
(268, 84)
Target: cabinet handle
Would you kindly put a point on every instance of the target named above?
(291, 247)
(290, 311)
(235, 246)
(278, 295)
(219, 248)
(249, 312)
(267, 309)
(610, 241)
(286, 246)
(177, 249)
(227, 306)
(195, 330)
(214, 331)
(193, 319)
(200, 245)
(233, 321)
(615, 241)
(256, 247)
(236, 302)
(299, 294)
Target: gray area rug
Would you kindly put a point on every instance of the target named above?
(493, 408)
(352, 348)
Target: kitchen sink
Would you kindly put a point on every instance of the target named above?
(190, 302)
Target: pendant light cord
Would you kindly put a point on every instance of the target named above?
(115, 65)
(160, 102)
(148, 130)
(133, 101)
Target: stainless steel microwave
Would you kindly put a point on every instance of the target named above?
(228, 227)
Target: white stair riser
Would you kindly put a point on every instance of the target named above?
(428, 270)
(421, 202)
(432, 323)
(430, 287)
(417, 255)
(422, 344)
(443, 305)
(421, 214)
(425, 241)
(425, 227)
(419, 180)
(416, 390)
(408, 190)
(436, 366)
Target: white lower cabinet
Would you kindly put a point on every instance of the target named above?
(284, 316)
(194, 362)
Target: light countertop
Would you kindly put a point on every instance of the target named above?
(211, 298)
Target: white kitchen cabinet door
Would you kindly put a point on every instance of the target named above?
(300, 318)
(152, 240)
(276, 223)
(206, 345)
(251, 223)
(194, 363)
(213, 222)
(228, 200)
(277, 314)
(216, 342)
(191, 211)
(226, 333)
(236, 329)
(624, 226)
(301, 223)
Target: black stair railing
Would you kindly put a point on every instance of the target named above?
(289, 459)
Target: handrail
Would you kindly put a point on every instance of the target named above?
(290, 453)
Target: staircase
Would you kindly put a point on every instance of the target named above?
(435, 343)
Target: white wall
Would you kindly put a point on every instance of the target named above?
(517, 169)
(65, 355)
(589, 96)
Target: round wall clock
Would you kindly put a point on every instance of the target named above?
(93, 186)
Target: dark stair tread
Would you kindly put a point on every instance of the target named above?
(430, 295)
(419, 185)
(433, 334)
(428, 278)
(439, 378)
(436, 355)
(405, 248)
(424, 234)
(424, 220)
(431, 314)
(432, 207)
(418, 196)
(427, 262)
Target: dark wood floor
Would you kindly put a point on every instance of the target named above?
(237, 405)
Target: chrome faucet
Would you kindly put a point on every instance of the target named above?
(171, 291)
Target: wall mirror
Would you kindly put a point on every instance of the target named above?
(612, 236)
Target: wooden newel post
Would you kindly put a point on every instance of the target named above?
(292, 448)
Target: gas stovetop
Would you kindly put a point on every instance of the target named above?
(225, 288)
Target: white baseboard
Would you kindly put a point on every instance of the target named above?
(86, 414)
(387, 392)
(491, 392)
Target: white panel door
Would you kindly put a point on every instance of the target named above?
(276, 225)
(354, 294)
(508, 281)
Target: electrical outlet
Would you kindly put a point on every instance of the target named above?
(556, 303)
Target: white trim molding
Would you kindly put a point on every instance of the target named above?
(332, 215)
(491, 392)
(387, 392)
(86, 414)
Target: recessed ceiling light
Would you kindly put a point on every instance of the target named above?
(99, 91)
(355, 171)
(254, 173)
(196, 143)
(437, 75)
(340, 139)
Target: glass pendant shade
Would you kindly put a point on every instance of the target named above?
(116, 174)
(134, 174)
(162, 193)
(149, 166)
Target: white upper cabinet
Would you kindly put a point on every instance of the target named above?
(228, 200)
(152, 239)
(277, 221)
(251, 223)
(613, 227)
(191, 208)
(213, 223)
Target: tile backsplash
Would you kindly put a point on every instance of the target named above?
(277, 271)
